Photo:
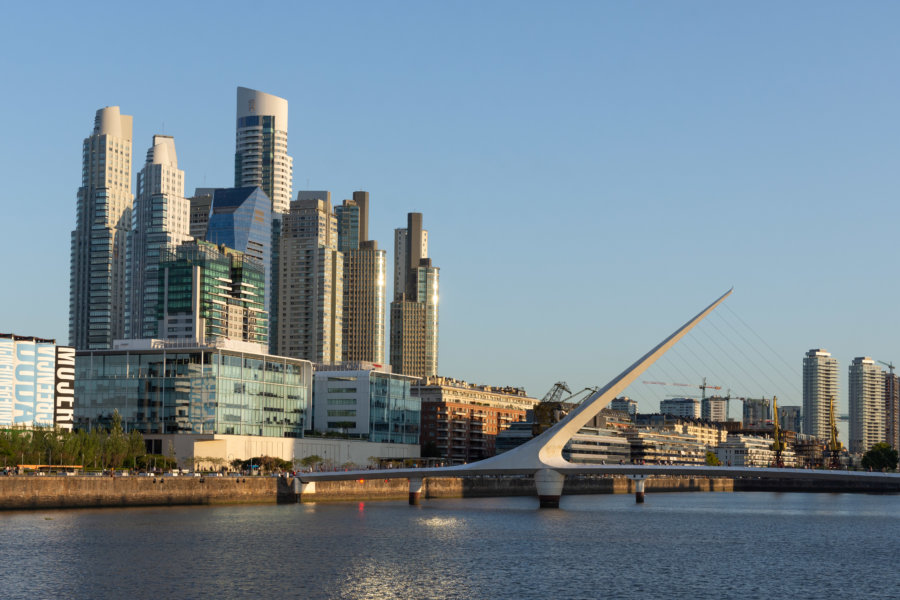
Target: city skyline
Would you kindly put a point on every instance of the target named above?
(642, 147)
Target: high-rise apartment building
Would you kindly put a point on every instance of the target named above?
(365, 276)
(714, 409)
(414, 311)
(756, 413)
(260, 157)
(867, 426)
(892, 409)
(209, 292)
(820, 383)
(98, 243)
(680, 407)
(310, 303)
(160, 219)
(789, 418)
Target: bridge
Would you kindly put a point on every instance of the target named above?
(541, 457)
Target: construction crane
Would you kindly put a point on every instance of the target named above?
(556, 392)
(834, 446)
(702, 387)
(778, 444)
(889, 365)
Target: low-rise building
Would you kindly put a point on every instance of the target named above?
(37, 382)
(665, 448)
(751, 451)
(366, 401)
(680, 407)
(592, 445)
(461, 420)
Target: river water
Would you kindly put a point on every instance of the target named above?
(676, 545)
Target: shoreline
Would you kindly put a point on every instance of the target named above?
(35, 493)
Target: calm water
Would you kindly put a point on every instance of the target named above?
(688, 545)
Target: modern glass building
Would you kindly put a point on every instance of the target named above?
(208, 293)
(360, 401)
(158, 387)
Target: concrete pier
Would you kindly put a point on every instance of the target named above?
(549, 484)
(415, 491)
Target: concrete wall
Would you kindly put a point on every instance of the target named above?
(67, 492)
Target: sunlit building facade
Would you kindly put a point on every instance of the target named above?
(820, 384)
(867, 407)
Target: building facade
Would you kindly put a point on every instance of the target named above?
(757, 413)
(680, 407)
(867, 407)
(462, 420)
(367, 402)
(161, 387)
(624, 404)
(37, 383)
(414, 311)
(261, 145)
(99, 240)
(364, 283)
(820, 383)
(789, 418)
(310, 303)
(751, 451)
(892, 409)
(714, 409)
(160, 219)
(209, 293)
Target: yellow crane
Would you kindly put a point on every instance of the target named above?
(834, 445)
(778, 444)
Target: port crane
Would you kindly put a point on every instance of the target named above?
(778, 444)
(834, 445)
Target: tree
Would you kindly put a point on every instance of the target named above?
(712, 460)
(880, 456)
(311, 460)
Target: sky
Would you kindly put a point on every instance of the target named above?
(592, 174)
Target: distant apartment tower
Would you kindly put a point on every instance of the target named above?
(98, 242)
(414, 311)
(260, 157)
(624, 404)
(789, 418)
(365, 277)
(209, 292)
(757, 412)
(867, 422)
(892, 409)
(160, 219)
(820, 383)
(714, 409)
(310, 303)
(680, 407)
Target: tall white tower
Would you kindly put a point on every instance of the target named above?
(98, 243)
(160, 219)
(867, 409)
(820, 383)
(260, 156)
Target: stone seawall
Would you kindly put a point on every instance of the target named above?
(82, 492)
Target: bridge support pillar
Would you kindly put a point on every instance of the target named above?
(307, 489)
(639, 481)
(415, 491)
(549, 485)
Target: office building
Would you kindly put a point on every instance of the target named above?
(680, 407)
(461, 420)
(714, 409)
(98, 243)
(624, 404)
(414, 311)
(260, 157)
(364, 283)
(160, 219)
(820, 384)
(867, 422)
(757, 413)
(168, 387)
(209, 293)
(37, 383)
(366, 401)
(311, 271)
(200, 204)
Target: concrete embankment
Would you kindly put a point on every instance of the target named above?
(484, 487)
(81, 492)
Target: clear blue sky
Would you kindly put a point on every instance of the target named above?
(591, 174)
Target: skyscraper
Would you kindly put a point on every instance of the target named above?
(414, 311)
(241, 218)
(820, 383)
(260, 157)
(867, 426)
(365, 275)
(160, 218)
(98, 243)
(892, 409)
(310, 302)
